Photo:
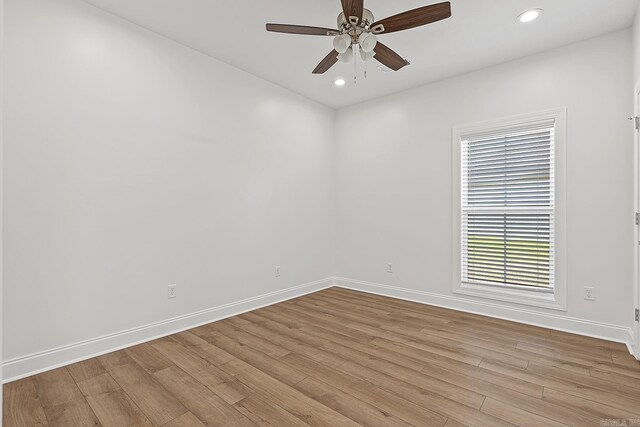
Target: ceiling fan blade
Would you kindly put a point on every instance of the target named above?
(353, 8)
(388, 57)
(301, 29)
(326, 63)
(413, 18)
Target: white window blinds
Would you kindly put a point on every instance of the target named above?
(508, 206)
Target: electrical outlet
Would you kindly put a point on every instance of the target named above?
(389, 268)
(277, 271)
(589, 293)
(171, 291)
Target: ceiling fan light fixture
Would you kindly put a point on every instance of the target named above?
(346, 57)
(353, 20)
(530, 15)
(367, 42)
(340, 82)
(341, 43)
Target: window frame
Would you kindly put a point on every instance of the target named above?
(555, 298)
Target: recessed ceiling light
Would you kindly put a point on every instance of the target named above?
(530, 15)
(339, 82)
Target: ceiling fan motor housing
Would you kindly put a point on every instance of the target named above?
(367, 19)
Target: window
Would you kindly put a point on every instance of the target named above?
(507, 207)
(507, 213)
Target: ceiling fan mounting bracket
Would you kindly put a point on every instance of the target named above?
(353, 22)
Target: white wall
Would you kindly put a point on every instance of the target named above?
(394, 185)
(132, 162)
(636, 47)
(1, 169)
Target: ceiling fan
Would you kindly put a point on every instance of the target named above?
(357, 27)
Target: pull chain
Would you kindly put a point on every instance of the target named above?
(355, 65)
(366, 58)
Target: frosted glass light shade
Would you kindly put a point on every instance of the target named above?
(367, 42)
(366, 55)
(341, 43)
(346, 57)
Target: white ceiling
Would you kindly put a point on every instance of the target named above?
(480, 33)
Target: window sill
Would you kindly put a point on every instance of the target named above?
(532, 297)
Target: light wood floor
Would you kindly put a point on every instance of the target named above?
(339, 357)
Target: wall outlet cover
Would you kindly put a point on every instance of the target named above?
(589, 293)
(171, 291)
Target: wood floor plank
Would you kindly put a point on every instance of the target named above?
(629, 370)
(425, 382)
(515, 415)
(341, 357)
(431, 401)
(150, 359)
(368, 392)
(518, 354)
(284, 341)
(86, 369)
(253, 341)
(147, 393)
(566, 386)
(364, 309)
(571, 356)
(76, 413)
(279, 328)
(453, 423)
(269, 365)
(590, 408)
(421, 335)
(543, 408)
(617, 379)
(117, 358)
(186, 420)
(324, 336)
(211, 376)
(56, 387)
(436, 363)
(212, 354)
(418, 348)
(473, 321)
(429, 358)
(587, 381)
(424, 416)
(97, 385)
(188, 339)
(262, 411)
(21, 406)
(401, 333)
(62, 401)
(343, 403)
(306, 409)
(621, 357)
(116, 409)
(199, 400)
(327, 321)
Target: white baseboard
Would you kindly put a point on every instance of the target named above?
(621, 334)
(32, 364)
